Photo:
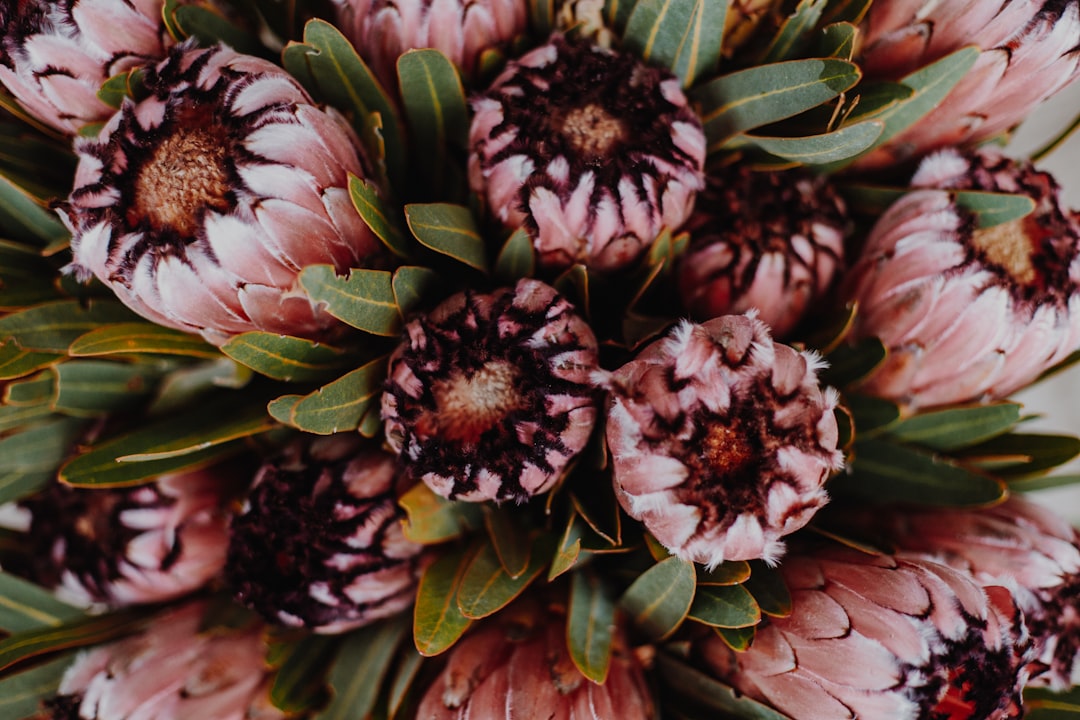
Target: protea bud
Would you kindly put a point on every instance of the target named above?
(1018, 544)
(968, 313)
(124, 546)
(874, 636)
(489, 397)
(54, 56)
(766, 240)
(174, 669)
(520, 667)
(319, 543)
(721, 440)
(200, 204)
(1029, 52)
(382, 30)
(589, 149)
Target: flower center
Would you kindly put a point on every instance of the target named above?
(469, 405)
(726, 450)
(1010, 246)
(592, 130)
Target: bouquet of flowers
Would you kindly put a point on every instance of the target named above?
(488, 359)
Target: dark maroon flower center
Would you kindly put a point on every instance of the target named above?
(468, 405)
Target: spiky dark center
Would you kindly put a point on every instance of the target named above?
(467, 406)
(591, 130)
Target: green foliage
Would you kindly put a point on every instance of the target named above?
(683, 36)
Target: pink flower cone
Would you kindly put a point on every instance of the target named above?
(766, 240)
(319, 543)
(134, 545)
(590, 150)
(520, 668)
(1029, 53)
(968, 314)
(54, 56)
(382, 30)
(721, 440)
(489, 397)
(174, 670)
(202, 220)
(1018, 544)
(874, 636)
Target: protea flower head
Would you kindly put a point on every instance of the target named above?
(519, 667)
(489, 396)
(968, 313)
(200, 204)
(766, 240)
(382, 30)
(875, 636)
(1029, 52)
(721, 440)
(174, 669)
(124, 546)
(589, 149)
(1018, 544)
(55, 55)
(319, 543)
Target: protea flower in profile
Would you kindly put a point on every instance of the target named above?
(875, 636)
(721, 440)
(968, 313)
(319, 543)
(519, 667)
(200, 204)
(173, 669)
(54, 56)
(1029, 52)
(124, 546)
(589, 149)
(766, 240)
(382, 30)
(489, 397)
(1018, 544)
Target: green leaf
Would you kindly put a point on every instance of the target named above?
(435, 107)
(1042, 482)
(747, 99)
(831, 147)
(729, 572)
(769, 590)
(80, 632)
(509, 537)
(589, 621)
(569, 548)
(412, 284)
(181, 387)
(360, 667)
(957, 427)
(17, 484)
(16, 362)
(738, 639)
(371, 425)
(1045, 704)
(992, 209)
(25, 606)
(140, 337)
(30, 392)
(363, 299)
(683, 36)
(542, 16)
(689, 683)
(210, 27)
(25, 219)
(516, 259)
(486, 587)
(796, 32)
(99, 387)
(40, 448)
(22, 694)
(282, 357)
(448, 230)
(848, 363)
(851, 11)
(1019, 454)
(372, 209)
(437, 621)
(52, 327)
(13, 417)
(659, 599)
(729, 606)
(340, 406)
(430, 519)
(298, 685)
(409, 664)
(123, 85)
(838, 41)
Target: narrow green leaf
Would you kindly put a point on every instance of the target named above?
(569, 548)
(412, 284)
(687, 682)
(13, 417)
(282, 357)
(486, 587)
(181, 387)
(838, 40)
(957, 427)
(98, 387)
(729, 606)
(448, 230)
(659, 599)
(1018, 454)
(340, 406)
(796, 32)
(992, 209)
(371, 425)
(1045, 704)
(281, 409)
(25, 219)
(437, 621)
(363, 299)
(360, 667)
(510, 539)
(831, 147)
(22, 694)
(140, 337)
(589, 621)
(729, 572)
(30, 391)
(373, 210)
(435, 106)
(25, 606)
(851, 11)
(516, 259)
(738, 639)
(848, 363)
(16, 362)
(409, 664)
(52, 327)
(210, 27)
(769, 590)
(1044, 482)
(40, 448)
(683, 36)
(123, 85)
(430, 519)
(18, 484)
(80, 632)
(298, 683)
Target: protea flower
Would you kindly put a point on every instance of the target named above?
(124, 546)
(1018, 544)
(319, 543)
(874, 636)
(1029, 53)
(174, 669)
(520, 667)
(967, 313)
(199, 205)
(54, 56)
(489, 397)
(721, 440)
(765, 240)
(589, 149)
(382, 30)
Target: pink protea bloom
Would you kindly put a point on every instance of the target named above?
(519, 667)
(766, 240)
(490, 396)
(200, 204)
(590, 150)
(54, 56)
(874, 636)
(1029, 52)
(174, 669)
(382, 30)
(721, 440)
(124, 546)
(966, 313)
(319, 542)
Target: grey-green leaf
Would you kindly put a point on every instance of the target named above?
(448, 230)
(659, 599)
(729, 606)
(436, 110)
(339, 406)
(363, 299)
(957, 427)
(590, 618)
(282, 357)
(358, 671)
(52, 327)
(683, 36)
(830, 147)
(796, 32)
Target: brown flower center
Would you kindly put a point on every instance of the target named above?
(592, 130)
(469, 405)
(726, 450)
(1010, 246)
